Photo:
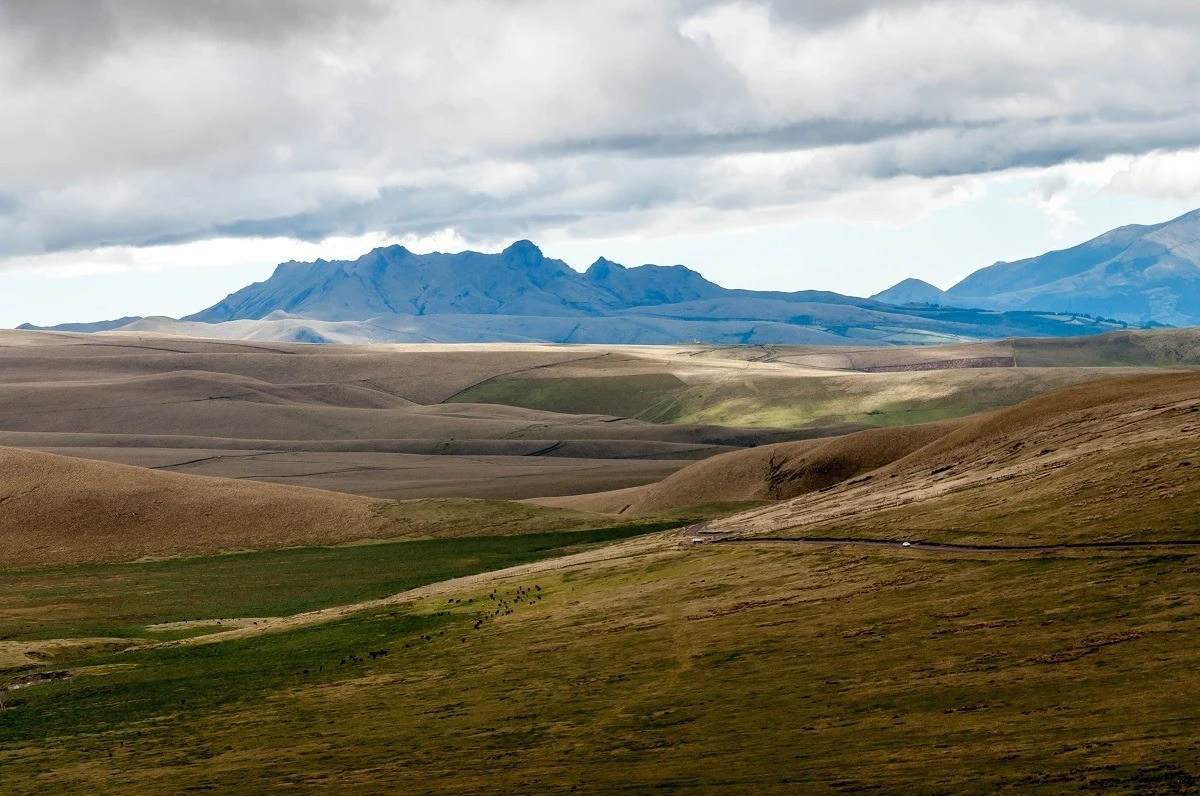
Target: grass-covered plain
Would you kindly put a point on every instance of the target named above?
(123, 600)
(729, 669)
(779, 400)
(624, 395)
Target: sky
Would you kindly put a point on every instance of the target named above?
(156, 155)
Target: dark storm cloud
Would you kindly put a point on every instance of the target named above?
(826, 13)
(55, 34)
(126, 122)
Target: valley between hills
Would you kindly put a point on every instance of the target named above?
(247, 566)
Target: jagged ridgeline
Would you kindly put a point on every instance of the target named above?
(392, 295)
(522, 295)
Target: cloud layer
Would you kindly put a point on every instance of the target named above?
(134, 122)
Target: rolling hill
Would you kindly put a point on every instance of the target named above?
(62, 510)
(1047, 460)
(768, 473)
(503, 421)
(1108, 461)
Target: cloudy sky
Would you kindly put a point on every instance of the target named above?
(157, 154)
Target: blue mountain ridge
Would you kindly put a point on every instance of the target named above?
(1140, 274)
(1135, 275)
(518, 281)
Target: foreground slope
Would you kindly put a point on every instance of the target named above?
(723, 668)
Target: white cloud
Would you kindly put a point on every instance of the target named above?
(126, 125)
(218, 252)
(1050, 195)
(1167, 175)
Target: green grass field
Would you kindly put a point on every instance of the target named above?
(121, 600)
(867, 399)
(627, 396)
(726, 669)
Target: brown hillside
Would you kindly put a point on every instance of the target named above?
(1113, 460)
(1062, 416)
(57, 510)
(368, 419)
(770, 472)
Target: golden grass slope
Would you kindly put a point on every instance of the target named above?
(770, 472)
(57, 510)
(1114, 460)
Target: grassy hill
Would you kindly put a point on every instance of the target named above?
(1112, 460)
(815, 387)
(768, 473)
(61, 510)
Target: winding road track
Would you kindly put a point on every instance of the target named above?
(708, 536)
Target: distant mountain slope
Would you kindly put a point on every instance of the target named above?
(651, 284)
(87, 328)
(520, 295)
(1138, 274)
(394, 281)
(912, 291)
(518, 281)
(803, 325)
(1148, 275)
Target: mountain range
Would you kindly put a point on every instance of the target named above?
(1138, 273)
(519, 281)
(1134, 275)
(519, 295)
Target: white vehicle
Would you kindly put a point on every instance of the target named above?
(906, 544)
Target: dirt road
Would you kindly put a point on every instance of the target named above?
(712, 536)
